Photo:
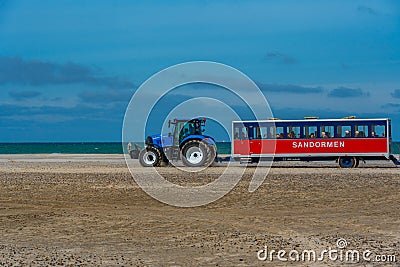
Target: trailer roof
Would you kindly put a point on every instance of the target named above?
(312, 120)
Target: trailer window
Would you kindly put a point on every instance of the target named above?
(344, 131)
(278, 132)
(241, 133)
(378, 131)
(271, 133)
(261, 133)
(293, 132)
(361, 131)
(264, 133)
(244, 133)
(310, 131)
(327, 131)
(237, 133)
(256, 133)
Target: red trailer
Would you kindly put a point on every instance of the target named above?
(346, 140)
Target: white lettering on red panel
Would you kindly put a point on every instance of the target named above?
(318, 144)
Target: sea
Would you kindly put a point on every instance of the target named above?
(97, 148)
(81, 148)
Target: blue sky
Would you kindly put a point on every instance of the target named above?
(69, 68)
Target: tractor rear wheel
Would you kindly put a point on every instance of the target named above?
(194, 153)
(150, 157)
(211, 155)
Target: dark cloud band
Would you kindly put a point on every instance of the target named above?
(344, 92)
(15, 70)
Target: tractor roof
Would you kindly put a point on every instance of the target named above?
(185, 119)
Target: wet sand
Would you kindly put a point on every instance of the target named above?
(86, 209)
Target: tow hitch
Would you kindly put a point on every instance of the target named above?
(395, 161)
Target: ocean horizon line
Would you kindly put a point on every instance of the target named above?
(80, 142)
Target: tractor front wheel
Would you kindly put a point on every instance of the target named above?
(150, 157)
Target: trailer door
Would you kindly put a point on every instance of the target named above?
(241, 142)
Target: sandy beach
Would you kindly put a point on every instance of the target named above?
(73, 210)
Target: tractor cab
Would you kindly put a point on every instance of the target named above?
(184, 128)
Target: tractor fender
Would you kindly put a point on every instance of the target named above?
(207, 139)
(210, 141)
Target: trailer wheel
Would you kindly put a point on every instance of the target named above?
(150, 157)
(194, 153)
(347, 162)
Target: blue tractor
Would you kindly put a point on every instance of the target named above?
(185, 142)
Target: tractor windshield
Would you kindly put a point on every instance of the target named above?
(190, 128)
